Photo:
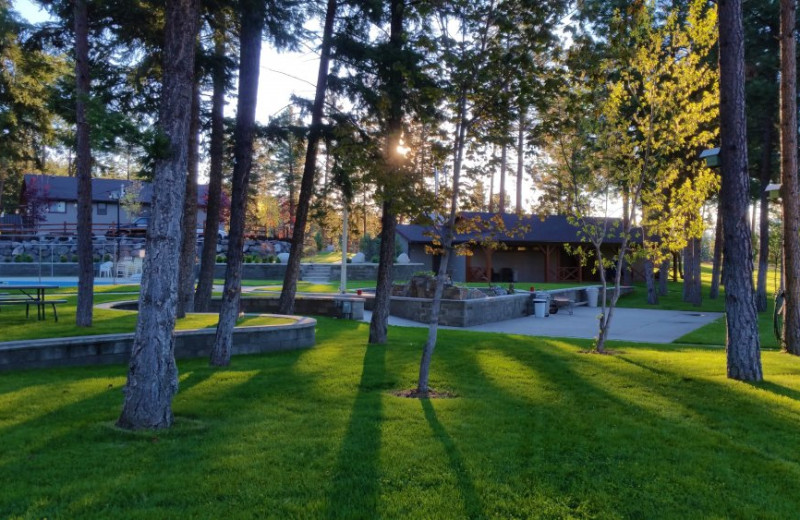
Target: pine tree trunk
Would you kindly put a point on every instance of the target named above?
(763, 234)
(790, 192)
(153, 375)
(649, 277)
(292, 274)
(189, 242)
(692, 288)
(716, 269)
(501, 205)
(520, 159)
(252, 23)
(205, 283)
(379, 324)
(663, 277)
(83, 315)
(742, 345)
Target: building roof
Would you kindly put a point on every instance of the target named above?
(511, 228)
(103, 190)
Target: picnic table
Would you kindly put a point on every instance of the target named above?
(27, 295)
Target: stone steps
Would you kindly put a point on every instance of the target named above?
(316, 273)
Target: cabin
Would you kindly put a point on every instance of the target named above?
(49, 203)
(511, 248)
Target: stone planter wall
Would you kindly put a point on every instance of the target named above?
(116, 348)
(462, 313)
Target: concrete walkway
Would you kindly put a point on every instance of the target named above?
(637, 325)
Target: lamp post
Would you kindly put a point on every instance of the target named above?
(774, 191)
(343, 281)
(117, 197)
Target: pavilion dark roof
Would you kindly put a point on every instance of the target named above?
(516, 229)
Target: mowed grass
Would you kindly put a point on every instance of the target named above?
(538, 430)
(15, 326)
(715, 332)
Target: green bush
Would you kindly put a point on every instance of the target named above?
(220, 259)
(64, 259)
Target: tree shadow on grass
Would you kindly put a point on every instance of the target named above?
(354, 492)
(466, 486)
(775, 388)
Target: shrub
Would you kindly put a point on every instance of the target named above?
(427, 274)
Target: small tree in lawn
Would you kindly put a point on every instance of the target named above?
(656, 107)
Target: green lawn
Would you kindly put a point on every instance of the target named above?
(538, 430)
(15, 326)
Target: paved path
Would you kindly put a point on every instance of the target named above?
(639, 325)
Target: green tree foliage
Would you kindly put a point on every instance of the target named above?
(27, 76)
(633, 127)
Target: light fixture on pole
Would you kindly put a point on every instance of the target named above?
(711, 157)
(343, 281)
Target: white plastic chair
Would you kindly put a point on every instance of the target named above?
(105, 269)
(124, 268)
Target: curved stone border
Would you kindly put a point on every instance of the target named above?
(116, 348)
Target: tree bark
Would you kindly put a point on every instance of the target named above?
(649, 276)
(692, 288)
(83, 314)
(520, 159)
(790, 192)
(501, 204)
(663, 277)
(252, 23)
(763, 234)
(742, 345)
(189, 242)
(202, 298)
(153, 375)
(286, 301)
(716, 269)
(379, 324)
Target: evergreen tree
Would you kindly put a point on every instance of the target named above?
(742, 344)
(153, 375)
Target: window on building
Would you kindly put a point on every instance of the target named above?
(57, 206)
(102, 208)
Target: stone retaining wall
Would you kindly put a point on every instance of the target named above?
(367, 272)
(116, 348)
(462, 313)
(467, 313)
(349, 307)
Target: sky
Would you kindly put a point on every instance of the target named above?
(281, 76)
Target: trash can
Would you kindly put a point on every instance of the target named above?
(539, 307)
(544, 295)
(591, 296)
